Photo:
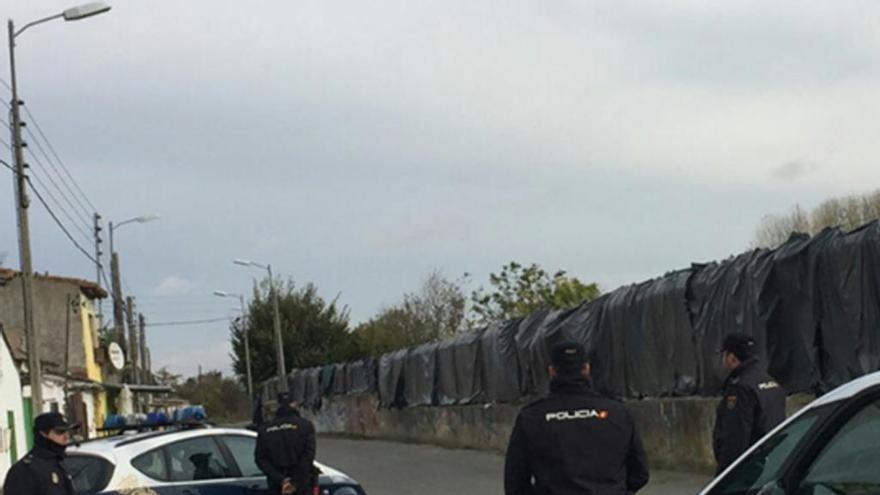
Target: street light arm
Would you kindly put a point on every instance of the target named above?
(34, 23)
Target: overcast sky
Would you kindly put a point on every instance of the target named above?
(360, 145)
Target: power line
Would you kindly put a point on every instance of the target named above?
(61, 192)
(57, 221)
(60, 161)
(52, 149)
(186, 322)
(57, 203)
(60, 177)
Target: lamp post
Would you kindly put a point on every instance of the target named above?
(247, 347)
(21, 200)
(279, 341)
(116, 280)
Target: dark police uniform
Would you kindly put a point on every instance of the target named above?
(752, 404)
(286, 450)
(574, 442)
(40, 472)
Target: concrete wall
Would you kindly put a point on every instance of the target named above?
(677, 432)
(50, 308)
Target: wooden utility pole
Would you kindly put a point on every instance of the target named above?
(132, 339)
(142, 341)
(24, 240)
(118, 318)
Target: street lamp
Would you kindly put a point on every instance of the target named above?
(279, 341)
(117, 283)
(21, 200)
(247, 347)
(140, 219)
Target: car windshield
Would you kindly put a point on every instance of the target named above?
(760, 471)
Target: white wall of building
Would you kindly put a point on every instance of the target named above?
(10, 401)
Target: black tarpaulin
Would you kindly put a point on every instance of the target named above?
(499, 363)
(447, 388)
(340, 379)
(420, 373)
(609, 356)
(458, 371)
(660, 353)
(313, 388)
(535, 338)
(724, 299)
(327, 373)
(790, 301)
(361, 376)
(296, 381)
(391, 379)
(849, 273)
(467, 367)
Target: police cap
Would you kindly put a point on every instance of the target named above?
(568, 356)
(46, 422)
(740, 345)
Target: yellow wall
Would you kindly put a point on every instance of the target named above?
(89, 320)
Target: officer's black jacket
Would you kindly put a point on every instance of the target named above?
(286, 449)
(574, 442)
(39, 472)
(752, 404)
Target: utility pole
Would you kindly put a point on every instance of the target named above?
(247, 348)
(142, 340)
(98, 267)
(132, 339)
(279, 341)
(118, 318)
(24, 240)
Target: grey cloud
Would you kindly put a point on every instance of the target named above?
(793, 170)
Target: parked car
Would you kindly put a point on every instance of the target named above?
(831, 447)
(190, 461)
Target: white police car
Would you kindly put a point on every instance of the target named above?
(830, 447)
(190, 461)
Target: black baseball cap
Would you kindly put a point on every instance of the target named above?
(740, 345)
(46, 422)
(568, 356)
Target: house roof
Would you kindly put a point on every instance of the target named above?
(89, 288)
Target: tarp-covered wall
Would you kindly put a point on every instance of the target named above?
(812, 305)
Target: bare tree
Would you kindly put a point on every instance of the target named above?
(776, 229)
(848, 212)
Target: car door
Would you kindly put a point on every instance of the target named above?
(241, 450)
(762, 471)
(199, 466)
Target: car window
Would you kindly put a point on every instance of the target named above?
(762, 467)
(242, 450)
(90, 474)
(197, 459)
(848, 463)
(152, 464)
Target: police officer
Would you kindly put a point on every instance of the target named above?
(40, 471)
(752, 403)
(574, 441)
(286, 450)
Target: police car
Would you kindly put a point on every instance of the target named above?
(830, 447)
(197, 460)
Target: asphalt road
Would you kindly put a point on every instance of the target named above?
(388, 468)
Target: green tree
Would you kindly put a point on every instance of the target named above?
(433, 312)
(520, 290)
(224, 398)
(314, 331)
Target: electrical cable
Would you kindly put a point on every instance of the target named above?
(58, 221)
(186, 322)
